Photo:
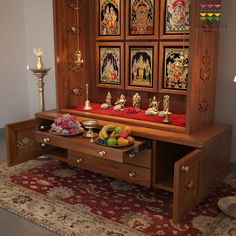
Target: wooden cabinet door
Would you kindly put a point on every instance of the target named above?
(186, 184)
(21, 144)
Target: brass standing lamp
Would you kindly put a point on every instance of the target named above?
(39, 71)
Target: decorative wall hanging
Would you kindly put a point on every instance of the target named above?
(110, 17)
(141, 71)
(74, 4)
(110, 59)
(175, 16)
(174, 64)
(76, 61)
(142, 19)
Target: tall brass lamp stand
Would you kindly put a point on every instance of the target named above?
(39, 71)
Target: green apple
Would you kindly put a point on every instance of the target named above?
(111, 142)
(117, 129)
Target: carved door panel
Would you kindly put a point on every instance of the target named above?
(21, 143)
(186, 184)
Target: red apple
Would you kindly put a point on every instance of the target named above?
(123, 133)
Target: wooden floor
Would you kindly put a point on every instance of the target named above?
(12, 225)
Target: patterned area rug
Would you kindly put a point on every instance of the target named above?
(75, 202)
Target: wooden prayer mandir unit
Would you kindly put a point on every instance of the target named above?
(187, 157)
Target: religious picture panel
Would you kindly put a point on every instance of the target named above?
(141, 17)
(109, 63)
(109, 17)
(177, 16)
(175, 66)
(141, 64)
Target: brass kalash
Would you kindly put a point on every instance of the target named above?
(39, 71)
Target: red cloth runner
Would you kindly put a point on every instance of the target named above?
(176, 119)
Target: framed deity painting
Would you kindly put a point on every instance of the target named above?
(142, 66)
(174, 67)
(110, 64)
(175, 19)
(110, 19)
(142, 19)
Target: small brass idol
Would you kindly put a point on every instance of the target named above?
(136, 101)
(120, 103)
(153, 107)
(107, 103)
(166, 107)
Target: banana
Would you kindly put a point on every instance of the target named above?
(100, 135)
(103, 133)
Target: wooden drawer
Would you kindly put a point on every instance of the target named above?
(142, 158)
(127, 172)
(82, 145)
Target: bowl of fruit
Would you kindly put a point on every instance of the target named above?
(115, 136)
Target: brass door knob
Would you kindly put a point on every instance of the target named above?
(102, 153)
(185, 168)
(79, 160)
(46, 140)
(131, 174)
(132, 155)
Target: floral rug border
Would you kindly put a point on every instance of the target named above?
(63, 218)
(86, 223)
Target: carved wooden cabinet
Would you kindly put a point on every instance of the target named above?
(190, 166)
(188, 160)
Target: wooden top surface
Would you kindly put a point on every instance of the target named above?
(198, 139)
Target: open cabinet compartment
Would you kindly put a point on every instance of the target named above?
(167, 155)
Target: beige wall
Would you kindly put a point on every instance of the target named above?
(24, 24)
(39, 34)
(29, 23)
(13, 76)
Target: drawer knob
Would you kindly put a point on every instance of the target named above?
(46, 140)
(79, 160)
(185, 168)
(132, 174)
(102, 153)
(132, 155)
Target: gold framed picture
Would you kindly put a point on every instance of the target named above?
(142, 66)
(142, 19)
(110, 15)
(174, 67)
(175, 19)
(109, 64)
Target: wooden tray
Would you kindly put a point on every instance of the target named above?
(67, 135)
